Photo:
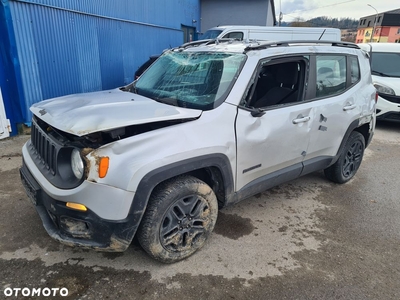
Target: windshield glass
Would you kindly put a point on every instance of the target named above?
(199, 80)
(211, 34)
(385, 64)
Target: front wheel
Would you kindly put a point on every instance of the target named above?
(179, 218)
(349, 160)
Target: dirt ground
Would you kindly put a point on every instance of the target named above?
(307, 239)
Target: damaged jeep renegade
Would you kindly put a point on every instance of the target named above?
(208, 124)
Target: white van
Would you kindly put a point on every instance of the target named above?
(385, 68)
(272, 33)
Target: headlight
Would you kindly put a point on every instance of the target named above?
(77, 164)
(383, 89)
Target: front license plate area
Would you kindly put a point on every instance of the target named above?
(30, 189)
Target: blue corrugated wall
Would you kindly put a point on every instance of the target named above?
(10, 76)
(74, 46)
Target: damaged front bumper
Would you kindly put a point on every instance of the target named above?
(78, 228)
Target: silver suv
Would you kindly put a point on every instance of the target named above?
(207, 125)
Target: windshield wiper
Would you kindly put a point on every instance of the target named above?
(380, 74)
(172, 101)
(129, 88)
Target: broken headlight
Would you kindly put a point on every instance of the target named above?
(77, 163)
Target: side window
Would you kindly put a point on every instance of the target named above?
(278, 82)
(331, 75)
(234, 35)
(354, 69)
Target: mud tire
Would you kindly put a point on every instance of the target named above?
(179, 218)
(349, 160)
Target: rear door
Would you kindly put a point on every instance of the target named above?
(336, 101)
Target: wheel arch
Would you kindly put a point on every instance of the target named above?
(354, 126)
(213, 169)
(364, 130)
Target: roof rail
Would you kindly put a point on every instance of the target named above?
(194, 43)
(271, 44)
(204, 42)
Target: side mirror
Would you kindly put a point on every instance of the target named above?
(257, 112)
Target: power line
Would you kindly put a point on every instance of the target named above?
(298, 11)
(323, 6)
(297, 17)
(317, 24)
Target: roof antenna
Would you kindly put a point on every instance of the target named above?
(322, 35)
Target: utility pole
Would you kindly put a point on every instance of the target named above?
(280, 13)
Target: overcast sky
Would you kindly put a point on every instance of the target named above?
(307, 9)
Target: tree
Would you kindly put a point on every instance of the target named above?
(298, 22)
(344, 23)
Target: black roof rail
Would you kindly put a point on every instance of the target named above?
(204, 42)
(271, 44)
(194, 43)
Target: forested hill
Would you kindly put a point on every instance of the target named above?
(343, 23)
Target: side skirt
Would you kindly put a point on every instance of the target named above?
(276, 178)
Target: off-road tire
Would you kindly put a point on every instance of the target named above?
(180, 216)
(349, 160)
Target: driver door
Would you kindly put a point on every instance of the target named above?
(273, 137)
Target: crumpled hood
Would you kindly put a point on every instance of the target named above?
(82, 114)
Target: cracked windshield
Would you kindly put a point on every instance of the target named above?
(192, 80)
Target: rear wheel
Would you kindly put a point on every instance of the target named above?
(349, 160)
(179, 218)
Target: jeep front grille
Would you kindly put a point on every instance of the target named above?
(44, 149)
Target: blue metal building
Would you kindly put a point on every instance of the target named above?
(50, 48)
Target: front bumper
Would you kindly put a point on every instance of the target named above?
(78, 228)
(389, 116)
(388, 108)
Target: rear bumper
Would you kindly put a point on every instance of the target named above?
(78, 228)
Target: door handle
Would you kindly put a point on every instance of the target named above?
(301, 119)
(349, 107)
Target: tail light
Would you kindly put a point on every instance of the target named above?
(376, 97)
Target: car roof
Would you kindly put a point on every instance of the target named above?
(234, 46)
(380, 47)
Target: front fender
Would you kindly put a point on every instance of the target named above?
(156, 176)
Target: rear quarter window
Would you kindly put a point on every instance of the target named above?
(331, 75)
(354, 70)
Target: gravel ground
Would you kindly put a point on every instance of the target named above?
(307, 239)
